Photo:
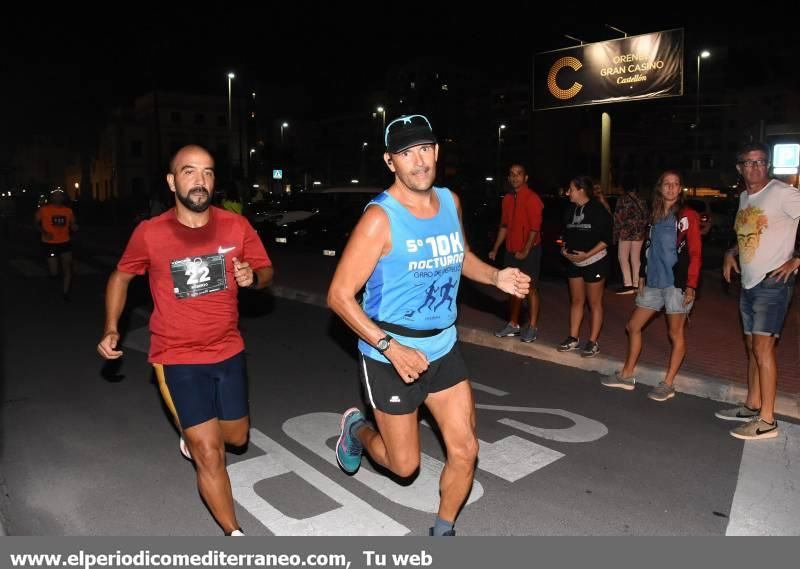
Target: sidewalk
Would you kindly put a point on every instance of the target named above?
(715, 365)
(716, 361)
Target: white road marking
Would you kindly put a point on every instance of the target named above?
(767, 496)
(486, 389)
(353, 517)
(513, 458)
(583, 431)
(314, 429)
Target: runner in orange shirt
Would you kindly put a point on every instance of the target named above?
(55, 221)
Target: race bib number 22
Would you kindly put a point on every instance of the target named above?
(196, 276)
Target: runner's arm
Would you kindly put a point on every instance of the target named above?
(370, 240)
(264, 277)
(255, 256)
(248, 277)
(509, 280)
(116, 295)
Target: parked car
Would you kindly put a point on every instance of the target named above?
(317, 220)
(267, 209)
(717, 216)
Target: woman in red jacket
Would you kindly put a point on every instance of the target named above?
(669, 274)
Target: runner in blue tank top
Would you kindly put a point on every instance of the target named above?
(409, 252)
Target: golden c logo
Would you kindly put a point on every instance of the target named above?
(553, 87)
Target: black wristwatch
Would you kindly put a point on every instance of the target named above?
(383, 344)
(254, 285)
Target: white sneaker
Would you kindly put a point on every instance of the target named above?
(185, 450)
(236, 533)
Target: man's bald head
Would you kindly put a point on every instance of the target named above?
(191, 176)
(186, 153)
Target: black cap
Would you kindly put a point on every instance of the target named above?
(407, 131)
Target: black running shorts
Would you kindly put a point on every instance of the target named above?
(390, 394)
(56, 249)
(593, 273)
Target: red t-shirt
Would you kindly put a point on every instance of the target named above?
(195, 315)
(522, 213)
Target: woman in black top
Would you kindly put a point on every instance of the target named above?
(587, 235)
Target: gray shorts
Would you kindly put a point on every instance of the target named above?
(658, 298)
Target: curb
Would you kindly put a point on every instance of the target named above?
(3, 503)
(699, 385)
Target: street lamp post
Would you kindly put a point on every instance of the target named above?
(702, 54)
(230, 122)
(500, 130)
(283, 126)
(382, 111)
(363, 170)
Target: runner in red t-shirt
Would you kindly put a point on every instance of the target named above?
(520, 228)
(194, 254)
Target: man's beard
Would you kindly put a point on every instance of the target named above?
(197, 207)
(413, 182)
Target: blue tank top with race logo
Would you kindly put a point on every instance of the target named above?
(416, 284)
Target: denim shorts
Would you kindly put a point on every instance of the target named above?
(763, 307)
(658, 298)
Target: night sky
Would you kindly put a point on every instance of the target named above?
(60, 76)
